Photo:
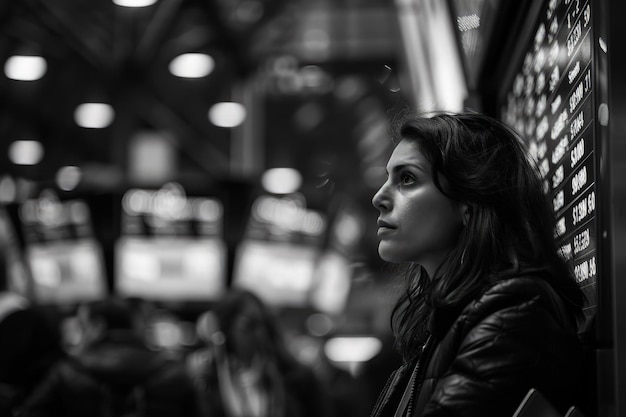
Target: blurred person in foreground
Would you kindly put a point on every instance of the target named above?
(247, 370)
(30, 345)
(490, 308)
(113, 373)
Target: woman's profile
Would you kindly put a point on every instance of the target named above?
(490, 308)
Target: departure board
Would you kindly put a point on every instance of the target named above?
(550, 101)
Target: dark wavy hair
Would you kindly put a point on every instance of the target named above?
(479, 161)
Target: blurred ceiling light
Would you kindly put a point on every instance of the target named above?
(281, 180)
(25, 68)
(352, 348)
(134, 3)
(192, 65)
(25, 152)
(227, 114)
(94, 115)
(68, 177)
(136, 202)
(151, 157)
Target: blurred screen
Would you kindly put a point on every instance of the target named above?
(281, 273)
(64, 258)
(170, 268)
(66, 271)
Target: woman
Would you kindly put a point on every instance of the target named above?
(490, 310)
(247, 370)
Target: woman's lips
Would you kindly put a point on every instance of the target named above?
(384, 228)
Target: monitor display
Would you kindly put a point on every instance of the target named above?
(65, 261)
(280, 273)
(170, 268)
(66, 272)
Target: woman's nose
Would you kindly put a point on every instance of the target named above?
(380, 200)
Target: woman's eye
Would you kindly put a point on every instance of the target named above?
(406, 179)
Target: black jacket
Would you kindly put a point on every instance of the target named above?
(515, 336)
(116, 375)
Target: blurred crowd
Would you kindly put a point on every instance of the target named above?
(102, 360)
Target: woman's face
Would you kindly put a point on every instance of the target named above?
(248, 334)
(417, 223)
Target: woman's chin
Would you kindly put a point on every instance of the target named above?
(387, 255)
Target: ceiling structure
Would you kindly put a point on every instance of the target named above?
(316, 77)
(320, 80)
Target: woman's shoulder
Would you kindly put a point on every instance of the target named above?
(519, 286)
(529, 296)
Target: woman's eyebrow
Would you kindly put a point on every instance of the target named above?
(416, 165)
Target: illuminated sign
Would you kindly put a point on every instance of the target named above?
(550, 102)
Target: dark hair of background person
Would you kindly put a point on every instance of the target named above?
(294, 386)
(482, 162)
(115, 313)
(231, 307)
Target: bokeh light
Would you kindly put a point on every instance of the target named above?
(25, 68)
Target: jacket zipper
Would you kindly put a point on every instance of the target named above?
(417, 382)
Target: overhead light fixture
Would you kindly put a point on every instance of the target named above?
(192, 65)
(26, 152)
(134, 3)
(281, 180)
(25, 68)
(94, 115)
(227, 114)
